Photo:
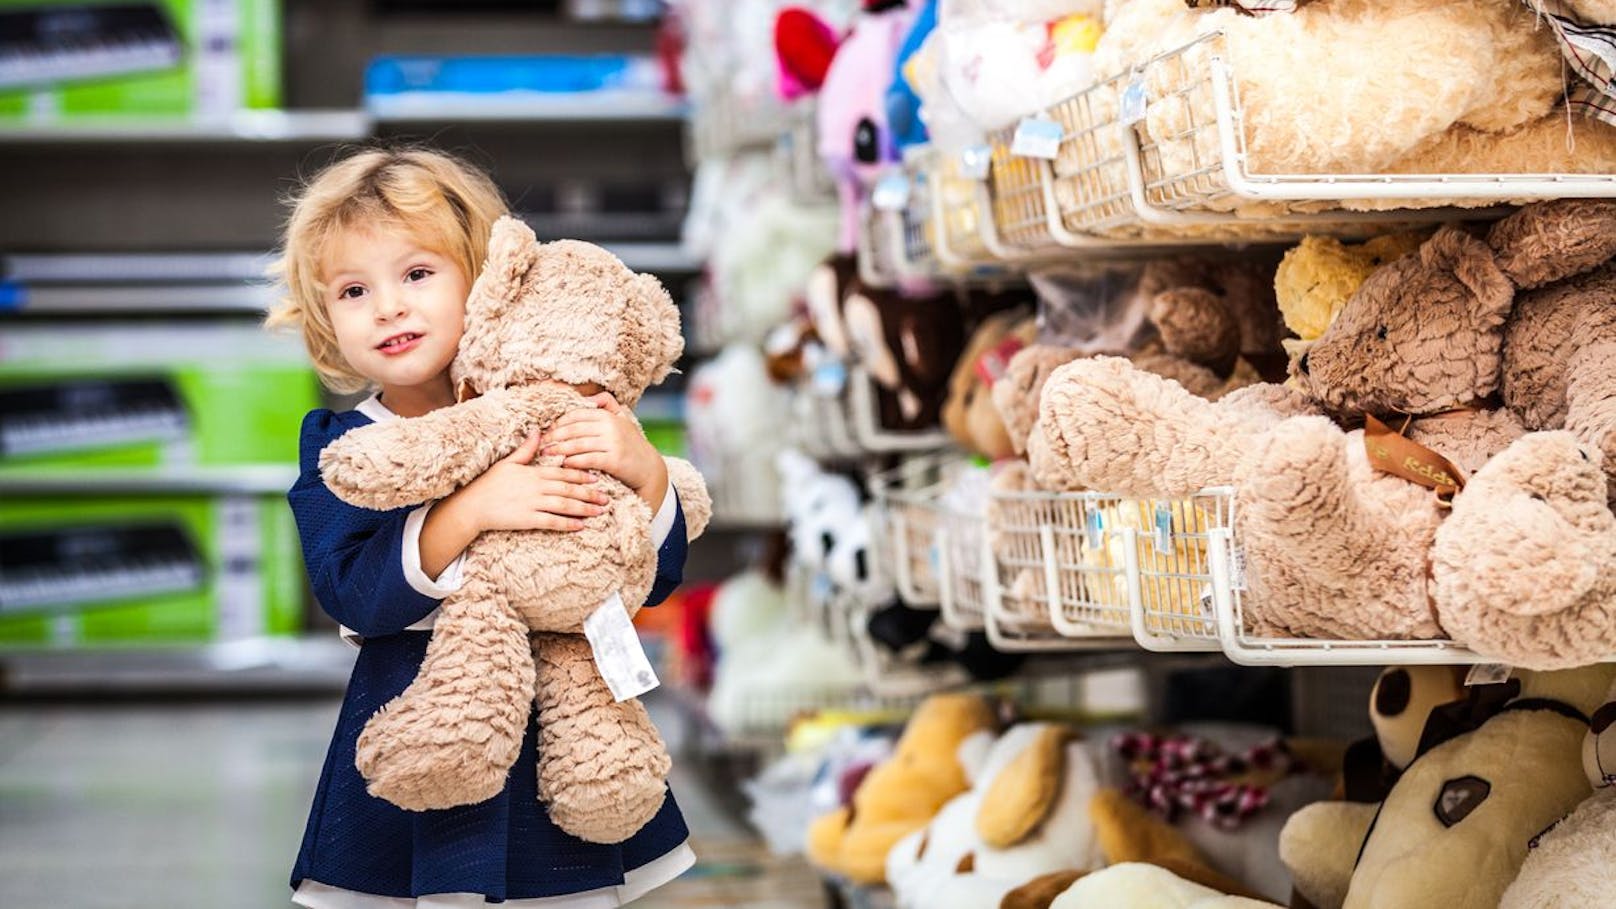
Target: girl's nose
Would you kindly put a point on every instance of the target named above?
(388, 305)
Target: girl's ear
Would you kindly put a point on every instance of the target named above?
(512, 250)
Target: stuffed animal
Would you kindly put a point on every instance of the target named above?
(854, 141)
(1002, 63)
(1025, 816)
(1493, 772)
(908, 345)
(1573, 863)
(1317, 276)
(1139, 885)
(538, 316)
(902, 794)
(969, 413)
(818, 503)
(903, 102)
(735, 425)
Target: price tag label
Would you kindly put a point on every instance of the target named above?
(1094, 527)
(975, 162)
(1037, 137)
(891, 192)
(1133, 101)
(829, 378)
(1163, 537)
(1487, 674)
(619, 656)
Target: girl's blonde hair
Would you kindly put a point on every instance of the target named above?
(442, 202)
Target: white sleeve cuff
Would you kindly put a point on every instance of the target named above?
(444, 584)
(662, 524)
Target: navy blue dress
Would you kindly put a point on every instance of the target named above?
(505, 848)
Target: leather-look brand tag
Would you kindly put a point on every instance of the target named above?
(1391, 452)
(991, 366)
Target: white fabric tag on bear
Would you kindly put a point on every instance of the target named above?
(618, 653)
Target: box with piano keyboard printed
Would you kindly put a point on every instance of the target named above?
(205, 59)
(165, 397)
(147, 569)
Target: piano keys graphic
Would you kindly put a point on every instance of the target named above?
(82, 414)
(69, 568)
(49, 44)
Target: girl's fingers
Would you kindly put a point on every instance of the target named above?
(546, 521)
(527, 451)
(605, 401)
(561, 505)
(577, 446)
(579, 418)
(568, 476)
(593, 460)
(574, 491)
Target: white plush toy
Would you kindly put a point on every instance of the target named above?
(1135, 885)
(734, 426)
(1573, 863)
(1003, 62)
(1026, 815)
(819, 506)
(853, 564)
(763, 257)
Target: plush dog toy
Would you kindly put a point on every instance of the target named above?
(1493, 772)
(538, 316)
(1573, 863)
(902, 794)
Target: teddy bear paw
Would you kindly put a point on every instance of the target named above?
(611, 810)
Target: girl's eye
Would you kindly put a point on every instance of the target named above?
(418, 274)
(351, 292)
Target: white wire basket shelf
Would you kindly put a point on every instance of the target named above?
(1200, 157)
(720, 125)
(798, 149)
(907, 498)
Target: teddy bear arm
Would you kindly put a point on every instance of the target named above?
(405, 462)
(1591, 396)
(694, 499)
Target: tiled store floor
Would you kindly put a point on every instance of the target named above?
(138, 806)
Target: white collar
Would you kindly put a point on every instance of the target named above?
(374, 408)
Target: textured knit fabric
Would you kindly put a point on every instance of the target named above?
(504, 848)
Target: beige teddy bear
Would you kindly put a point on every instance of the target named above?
(544, 324)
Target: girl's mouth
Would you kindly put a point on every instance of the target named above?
(398, 344)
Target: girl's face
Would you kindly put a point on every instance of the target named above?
(398, 310)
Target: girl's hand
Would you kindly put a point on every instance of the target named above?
(516, 494)
(606, 439)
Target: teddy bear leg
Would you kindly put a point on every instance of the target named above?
(602, 766)
(451, 737)
(1523, 567)
(1337, 550)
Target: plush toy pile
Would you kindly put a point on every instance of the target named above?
(1480, 360)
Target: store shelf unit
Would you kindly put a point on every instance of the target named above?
(268, 665)
(310, 126)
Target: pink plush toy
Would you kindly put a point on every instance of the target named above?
(854, 140)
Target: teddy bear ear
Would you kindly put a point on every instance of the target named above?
(513, 248)
(663, 325)
(1471, 262)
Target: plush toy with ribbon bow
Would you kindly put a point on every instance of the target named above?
(1338, 546)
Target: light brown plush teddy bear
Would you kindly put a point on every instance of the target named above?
(541, 320)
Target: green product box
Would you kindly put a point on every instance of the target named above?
(198, 59)
(160, 396)
(147, 569)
